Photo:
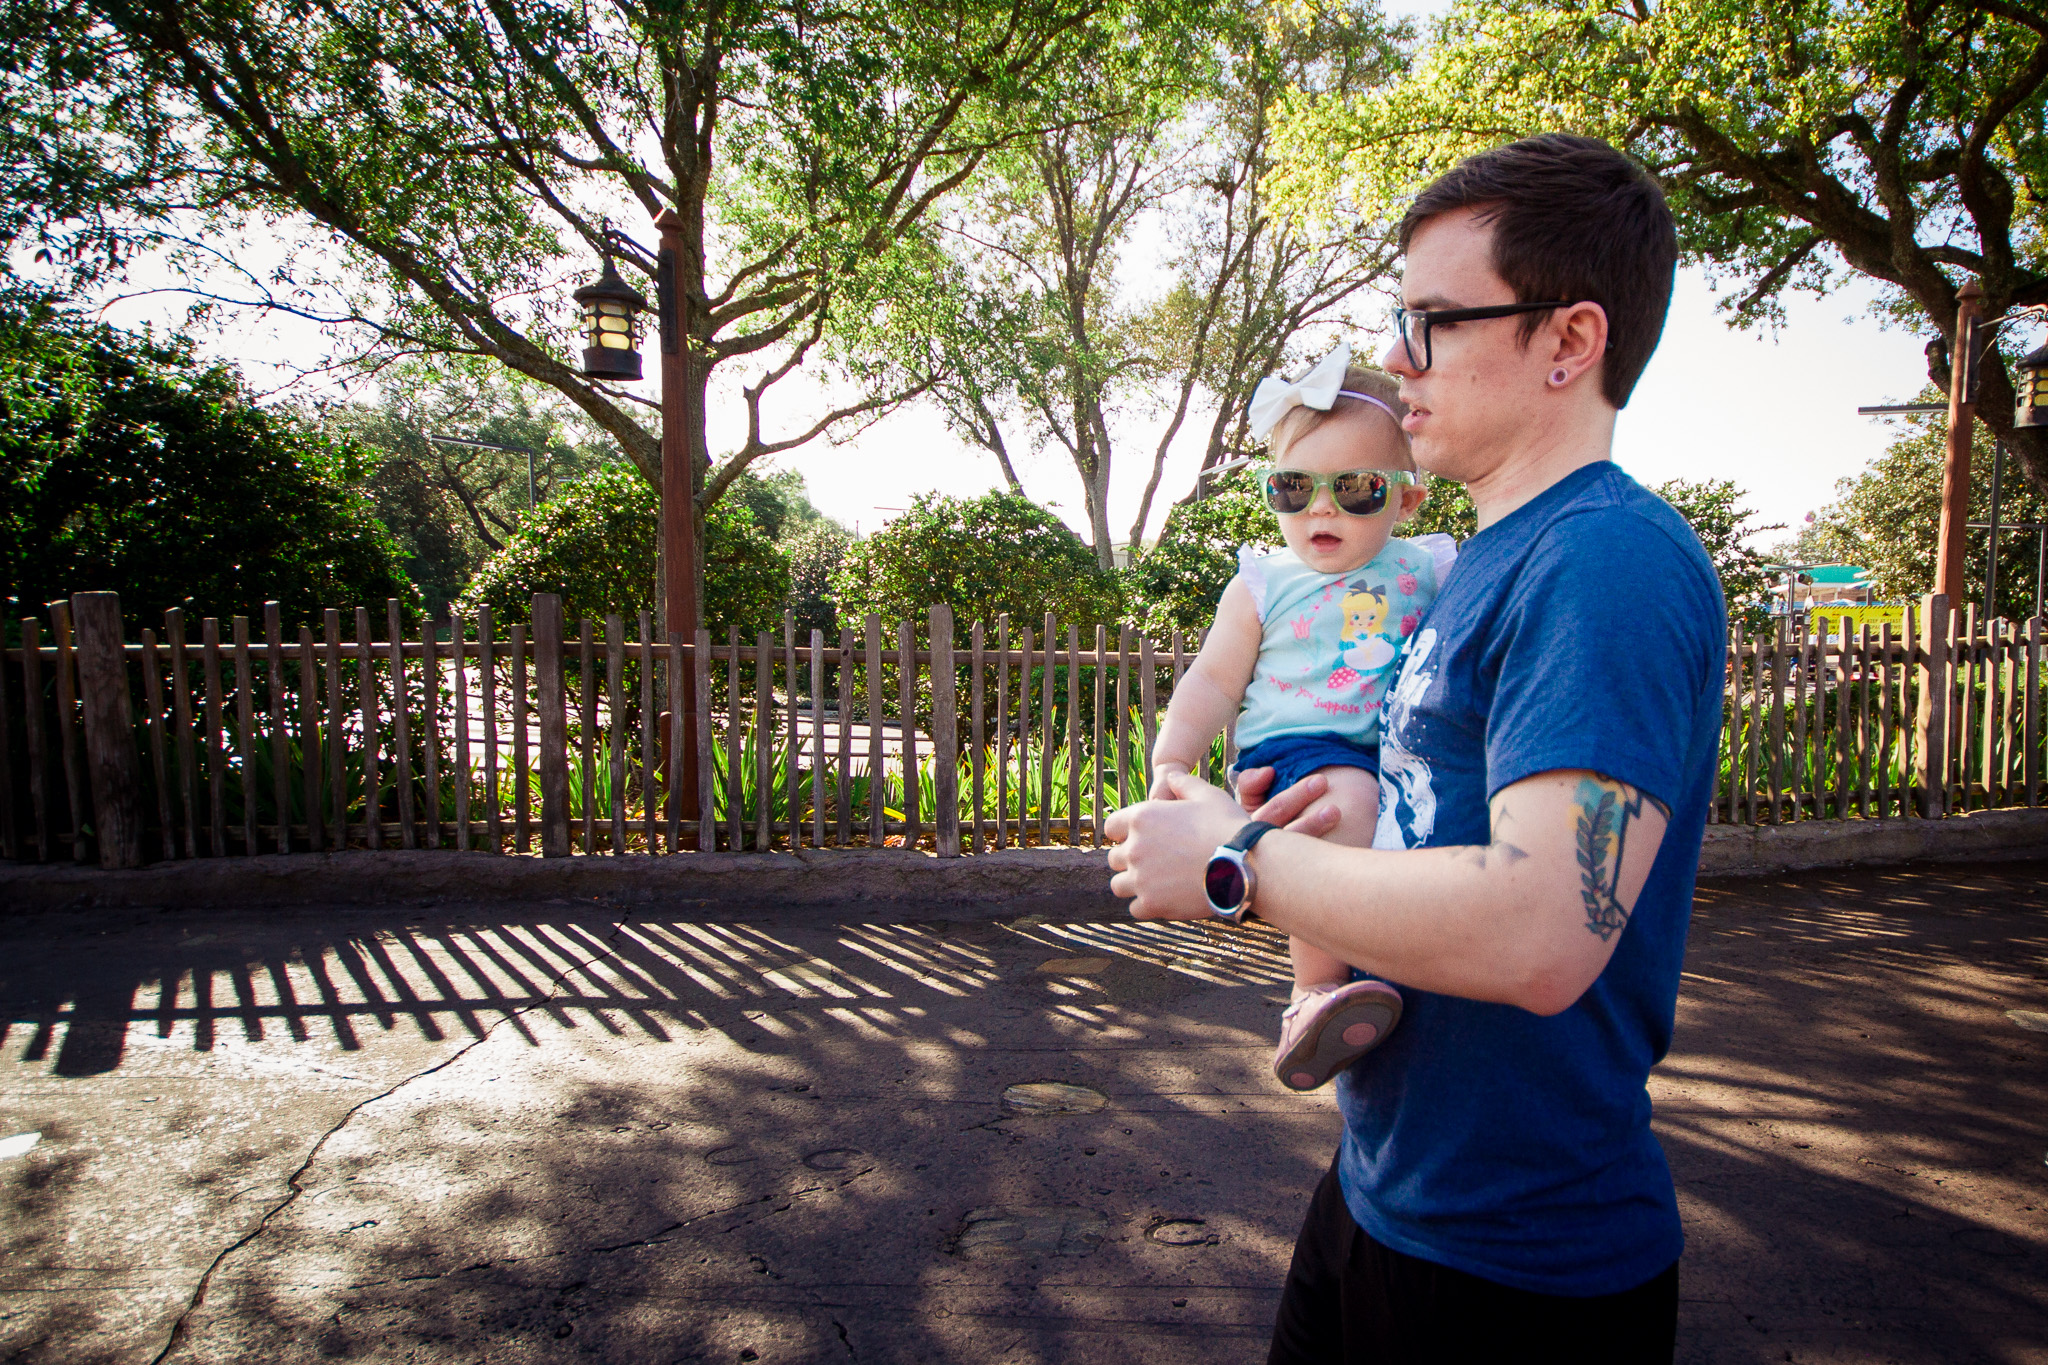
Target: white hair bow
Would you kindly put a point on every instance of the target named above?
(1319, 389)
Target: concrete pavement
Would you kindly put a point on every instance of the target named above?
(1024, 1132)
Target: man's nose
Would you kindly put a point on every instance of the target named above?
(1394, 359)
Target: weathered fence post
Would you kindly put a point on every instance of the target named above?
(109, 728)
(1931, 724)
(945, 734)
(67, 732)
(554, 726)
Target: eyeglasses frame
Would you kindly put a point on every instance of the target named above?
(1395, 478)
(1432, 316)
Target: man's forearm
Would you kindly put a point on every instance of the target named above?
(1529, 918)
(1457, 921)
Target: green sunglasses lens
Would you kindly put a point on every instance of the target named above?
(1360, 494)
(1289, 490)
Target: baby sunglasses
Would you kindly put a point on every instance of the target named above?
(1360, 492)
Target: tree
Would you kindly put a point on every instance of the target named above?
(1797, 143)
(982, 557)
(1886, 518)
(814, 544)
(1057, 336)
(127, 466)
(816, 555)
(458, 163)
(595, 541)
(1711, 508)
(451, 505)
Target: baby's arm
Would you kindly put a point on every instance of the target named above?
(1212, 689)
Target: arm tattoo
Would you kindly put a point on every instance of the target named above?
(1604, 808)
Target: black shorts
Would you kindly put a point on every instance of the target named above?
(1349, 1301)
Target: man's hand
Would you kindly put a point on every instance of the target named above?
(1163, 846)
(1163, 773)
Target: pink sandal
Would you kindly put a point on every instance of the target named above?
(1329, 1029)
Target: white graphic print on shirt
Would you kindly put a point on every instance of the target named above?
(1407, 794)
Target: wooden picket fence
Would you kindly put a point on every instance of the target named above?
(529, 738)
(1942, 716)
(526, 739)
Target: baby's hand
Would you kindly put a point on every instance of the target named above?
(1253, 786)
(1163, 774)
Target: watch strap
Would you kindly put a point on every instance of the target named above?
(1251, 834)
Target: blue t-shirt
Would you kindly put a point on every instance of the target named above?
(1583, 630)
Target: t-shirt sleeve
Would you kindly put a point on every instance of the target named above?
(1251, 571)
(1442, 551)
(1605, 655)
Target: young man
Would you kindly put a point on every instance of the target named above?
(1547, 758)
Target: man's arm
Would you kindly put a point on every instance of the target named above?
(1529, 919)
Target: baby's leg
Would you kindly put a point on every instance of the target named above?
(1356, 795)
(1334, 1020)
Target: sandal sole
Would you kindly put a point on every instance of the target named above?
(1341, 1040)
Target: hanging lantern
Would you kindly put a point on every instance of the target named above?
(2033, 387)
(611, 327)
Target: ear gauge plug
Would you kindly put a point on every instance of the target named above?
(1558, 376)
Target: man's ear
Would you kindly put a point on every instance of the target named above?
(1580, 333)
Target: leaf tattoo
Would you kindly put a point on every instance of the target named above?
(1605, 808)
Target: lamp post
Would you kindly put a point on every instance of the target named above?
(611, 311)
(1955, 470)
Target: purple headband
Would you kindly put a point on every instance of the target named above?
(1379, 403)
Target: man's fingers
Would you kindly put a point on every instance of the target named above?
(1252, 786)
(1288, 806)
(1118, 827)
(1316, 820)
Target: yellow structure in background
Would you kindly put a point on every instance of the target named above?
(1828, 620)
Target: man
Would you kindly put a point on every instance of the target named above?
(1547, 758)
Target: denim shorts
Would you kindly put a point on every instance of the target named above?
(1294, 757)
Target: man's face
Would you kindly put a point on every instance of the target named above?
(1479, 392)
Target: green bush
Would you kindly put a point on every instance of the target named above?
(982, 556)
(128, 466)
(595, 544)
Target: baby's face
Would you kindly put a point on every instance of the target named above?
(1325, 537)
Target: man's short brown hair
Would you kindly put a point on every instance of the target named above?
(1572, 219)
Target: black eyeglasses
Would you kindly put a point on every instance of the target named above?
(1414, 324)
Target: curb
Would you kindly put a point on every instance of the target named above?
(889, 876)
(1978, 836)
(1075, 878)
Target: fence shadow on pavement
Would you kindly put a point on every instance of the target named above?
(674, 1136)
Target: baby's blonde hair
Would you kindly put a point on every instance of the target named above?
(1300, 421)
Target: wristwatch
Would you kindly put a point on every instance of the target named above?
(1228, 880)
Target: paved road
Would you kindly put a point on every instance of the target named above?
(663, 1135)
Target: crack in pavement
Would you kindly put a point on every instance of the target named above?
(294, 1190)
(658, 1238)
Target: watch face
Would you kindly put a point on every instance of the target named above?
(1224, 882)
